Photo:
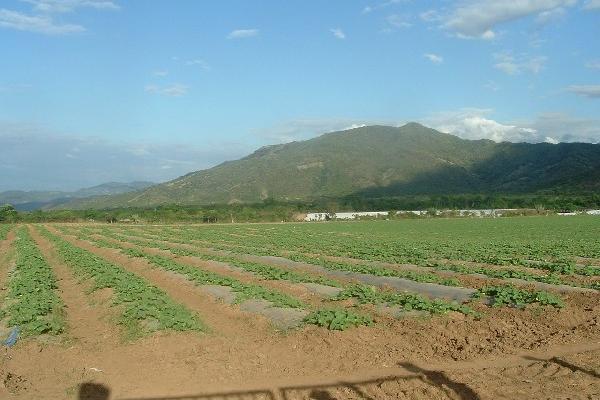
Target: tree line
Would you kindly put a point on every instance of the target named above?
(271, 210)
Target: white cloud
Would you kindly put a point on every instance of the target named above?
(41, 19)
(478, 18)
(64, 6)
(591, 91)
(396, 21)
(475, 123)
(546, 17)
(434, 58)
(242, 33)
(512, 65)
(381, 5)
(431, 16)
(564, 128)
(491, 85)
(302, 129)
(15, 88)
(37, 24)
(200, 63)
(175, 90)
(353, 126)
(593, 64)
(31, 159)
(338, 33)
(160, 73)
(592, 5)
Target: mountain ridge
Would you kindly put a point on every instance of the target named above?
(28, 200)
(376, 161)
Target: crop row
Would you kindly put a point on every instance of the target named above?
(266, 272)
(390, 242)
(199, 276)
(34, 305)
(407, 301)
(328, 264)
(4, 229)
(144, 306)
(497, 273)
(337, 319)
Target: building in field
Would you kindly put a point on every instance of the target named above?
(344, 215)
(490, 213)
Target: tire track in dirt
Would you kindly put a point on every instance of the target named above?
(220, 318)
(88, 324)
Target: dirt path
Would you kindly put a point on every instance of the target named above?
(523, 376)
(7, 254)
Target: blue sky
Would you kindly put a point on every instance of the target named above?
(97, 90)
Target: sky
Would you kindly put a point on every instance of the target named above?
(93, 91)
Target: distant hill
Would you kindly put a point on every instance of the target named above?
(34, 200)
(377, 161)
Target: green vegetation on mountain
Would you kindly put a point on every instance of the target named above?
(377, 162)
(40, 199)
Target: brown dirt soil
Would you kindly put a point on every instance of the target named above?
(509, 353)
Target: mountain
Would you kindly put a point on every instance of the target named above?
(34, 200)
(376, 161)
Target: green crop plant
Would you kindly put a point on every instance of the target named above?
(366, 294)
(140, 301)
(4, 230)
(337, 319)
(35, 305)
(512, 296)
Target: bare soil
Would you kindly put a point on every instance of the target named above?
(535, 353)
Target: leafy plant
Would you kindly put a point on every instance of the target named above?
(337, 319)
(36, 306)
(511, 296)
(141, 302)
(366, 294)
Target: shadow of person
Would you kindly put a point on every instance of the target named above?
(93, 391)
(441, 380)
(564, 363)
(320, 395)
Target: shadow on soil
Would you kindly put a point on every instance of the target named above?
(93, 391)
(568, 365)
(421, 381)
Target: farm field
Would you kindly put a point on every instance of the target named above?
(416, 309)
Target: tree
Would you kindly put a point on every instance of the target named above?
(8, 213)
